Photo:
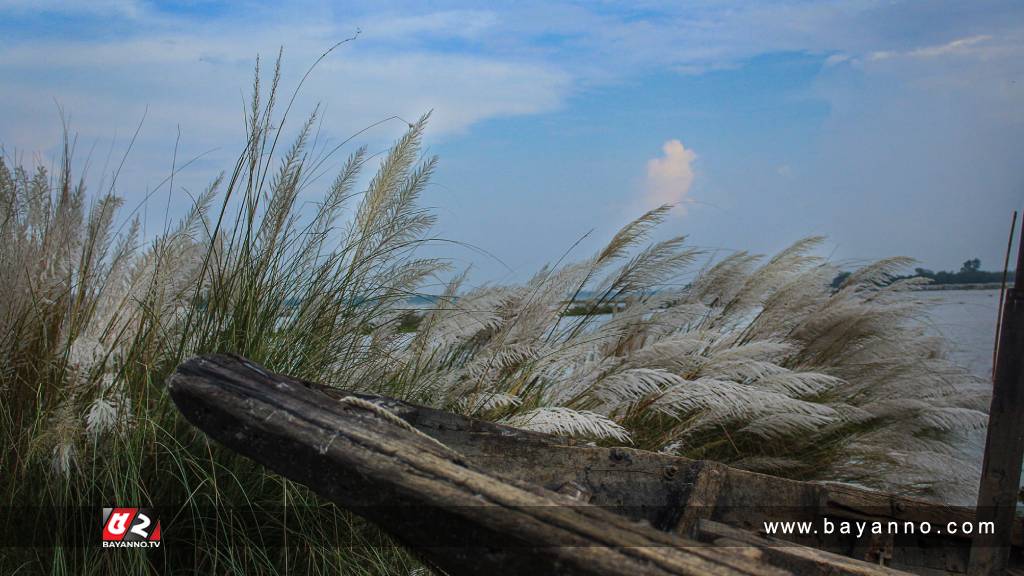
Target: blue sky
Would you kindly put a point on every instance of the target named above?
(890, 127)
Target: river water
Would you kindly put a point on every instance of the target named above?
(967, 318)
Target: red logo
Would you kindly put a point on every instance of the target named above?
(130, 528)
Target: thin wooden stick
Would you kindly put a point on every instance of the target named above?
(1002, 292)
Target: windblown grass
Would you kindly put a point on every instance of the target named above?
(94, 320)
(757, 363)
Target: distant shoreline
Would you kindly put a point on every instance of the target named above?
(979, 286)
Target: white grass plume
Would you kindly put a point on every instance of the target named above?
(762, 364)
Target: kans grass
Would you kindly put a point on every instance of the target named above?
(760, 363)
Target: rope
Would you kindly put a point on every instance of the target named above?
(398, 421)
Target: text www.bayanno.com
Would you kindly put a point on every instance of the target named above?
(862, 528)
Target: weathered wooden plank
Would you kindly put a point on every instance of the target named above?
(851, 502)
(703, 499)
(651, 486)
(671, 493)
(656, 487)
(457, 515)
(1004, 445)
(794, 557)
(637, 484)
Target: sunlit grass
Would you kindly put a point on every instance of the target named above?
(94, 321)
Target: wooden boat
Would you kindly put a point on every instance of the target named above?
(474, 497)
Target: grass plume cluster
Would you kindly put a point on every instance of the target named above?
(755, 362)
(93, 320)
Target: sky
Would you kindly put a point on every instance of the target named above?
(891, 127)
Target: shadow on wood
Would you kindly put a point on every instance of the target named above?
(472, 496)
(458, 516)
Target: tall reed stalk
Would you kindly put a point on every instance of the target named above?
(94, 320)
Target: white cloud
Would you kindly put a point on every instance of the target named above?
(462, 90)
(960, 46)
(837, 59)
(697, 37)
(197, 80)
(204, 72)
(669, 177)
(956, 46)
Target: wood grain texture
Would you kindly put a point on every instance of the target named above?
(670, 493)
(458, 516)
(799, 559)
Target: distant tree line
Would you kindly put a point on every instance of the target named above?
(970, 273)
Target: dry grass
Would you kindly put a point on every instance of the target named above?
(758, 363)
(93, 320)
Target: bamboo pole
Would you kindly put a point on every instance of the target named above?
(1004, 445)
